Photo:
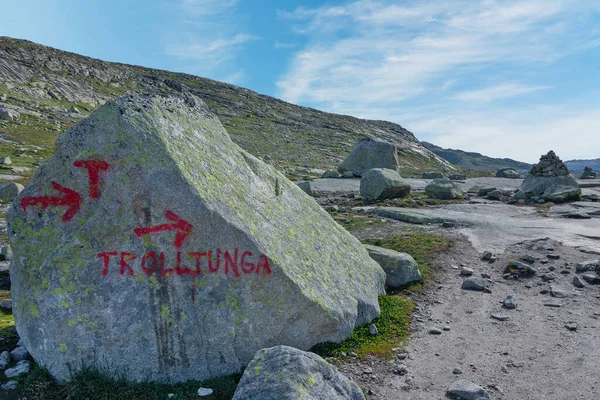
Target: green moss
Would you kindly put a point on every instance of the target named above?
(63, 347)
(165, 311)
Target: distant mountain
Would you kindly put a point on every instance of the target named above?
(475, 161)
(579, 165)
(53, 89)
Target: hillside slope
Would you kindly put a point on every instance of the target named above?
(579, 165)
(476, 161)
(44, 83)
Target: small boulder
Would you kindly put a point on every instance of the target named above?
(382, 184)
(433, 175)
(443, 189)
(509, 173)
(306, 187)
(19, 353)
(10, 190)
(578, 282)
(330, 174)
(475, 283)
(8, 114)
(5, 161)
(517, 268)
(282, 372)
(495, 195)
(370, 153)
(585, 266)
(458, 177)
(400, 268)
(549, 180)
(74, 110)
(510, 302)
(21, 368)
(467, 390)
(4, 359)
(588, 174)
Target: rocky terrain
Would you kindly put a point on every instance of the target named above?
(52, 89)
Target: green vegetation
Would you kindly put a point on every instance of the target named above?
(8, 333)
(422, 246)
(392, 325)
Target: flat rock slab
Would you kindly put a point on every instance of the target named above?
(411, 216)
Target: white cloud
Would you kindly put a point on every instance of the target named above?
(498, 92)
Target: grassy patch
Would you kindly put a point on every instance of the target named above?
(392, 325)
(93, 384)
(421, 246)
(8, 332)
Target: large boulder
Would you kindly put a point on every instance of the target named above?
(150, 243)
(549, 180)
(400, 268)
(285, 373)
(443, 189)
(382, 184)
(10, 190)
(510, 173)
(588, 173)
(370, 153)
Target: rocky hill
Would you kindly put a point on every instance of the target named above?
(52, 89)
(579, 165)
(476, 161)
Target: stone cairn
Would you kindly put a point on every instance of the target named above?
(550, 165)
(588, 173)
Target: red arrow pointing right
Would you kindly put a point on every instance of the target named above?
(183, 228)
(70, 199)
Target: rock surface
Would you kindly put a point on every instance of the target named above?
(400, 268)
(443, 189)
(549, 180)
(10, 190)
(285, 373)
(588, 174)
(510, 173)
(151, 239)
(382, 184)
(368, 154)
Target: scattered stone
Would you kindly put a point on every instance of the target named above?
(330, 174)
(10, 385)
(547, 277)
(482, 192)
(383, 184)
(500, 317)
(558, 292)
(528, 259)
(433, 175)
(553, 256)
(577, 215)
(588, 173)
(485, 275)
(172, 163)
(510, 302)
(370, 153)
(510, 173)
(400, 268)
(4, 359)
(517, 268)
(553, 305)
(446, 328)
(495, 195)
(373, 329)
(572, 326)
(586, 266)
(5, 161)
(3, 97)
(283, 372)
(74, 110)
(202, 392)
(578, 282)
(305, 186)
(19, 353)
(435, 331)
(8, 114)
(591, 279)
(550, 181)
(443, 189)
(402, 356)
(401, 369)
(21, 368)
(466, 271)
(457, 371)
(486, 255)
(467, 390)
(474, 283)
(10, 190)
(457, 177)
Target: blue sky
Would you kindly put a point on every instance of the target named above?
(505, 78)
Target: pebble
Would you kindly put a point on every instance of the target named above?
(572, 326)
(401, 369)
(467, 390)
(586, 266)
(457, 371)
(553, 256)
(558, 292)
(510, 302)
(485, 275)
(591, 279)
(492, 259)
(446, 328)
(466, 271)
(435, 331)
(373, 329)
(402, 356)
(204, 392)
(486, 255)
(500, 317)
(548, 277)
(10, 385)
(475, 284)
(21, 368)
(578, 282)
(528, 259)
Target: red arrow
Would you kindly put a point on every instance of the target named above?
(71, 200)
(183, 228)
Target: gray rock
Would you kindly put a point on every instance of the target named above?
(495, 195)
(510, 173)
(373, 330)
(4, 359)
(3, 97)
(591, 279)
(8, 114)
(368, 154)
(457, 177)
(457, 371)
(588, 174)
(433, 175)
(330, 174)
(21, 368)
(203, 392)
(408, 215)
(528, 259)
(6, 304)
(19, 353)
(466, 271)
(5, 253)
(382, 184)
(553, 256)
(285, 373)
(400, 268)
(306, 187)
(578, 282)
(10, 385)
(5, 160)
(559, 292)
(10, 190)
(482, 192)
(347, 174)
(277, 259)
(572, 326)
(74, 110)
(474, 283)
(467, 390)
(500, 317)
(435, 331)
(510, 302)
(401, 369)
(443, 189)
(486, 255)
(586, 266)
(517, 268)
(550, 181)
